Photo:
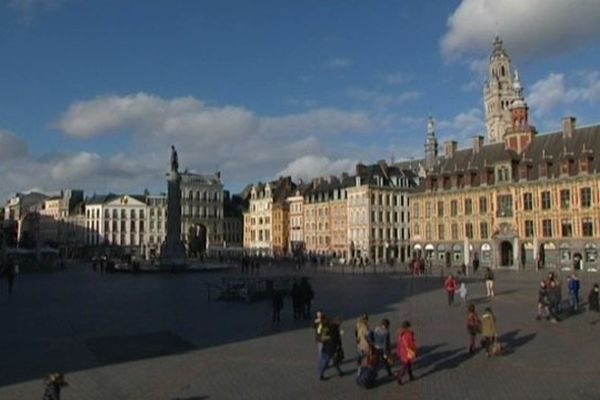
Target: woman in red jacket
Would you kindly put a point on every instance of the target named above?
(450, 286)
(407, 351)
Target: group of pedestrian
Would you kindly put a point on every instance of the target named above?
(550, 302)
(250, 264)
(486, 327)
(302, 297)
(452, 287)
(100, 264)
(374, 350)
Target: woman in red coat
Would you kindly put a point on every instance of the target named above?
(407, 351)
(450, 286)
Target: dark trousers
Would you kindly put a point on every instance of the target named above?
(276, 315)
(11, 282)
(383, 362)
(450, 298)
(406, 367)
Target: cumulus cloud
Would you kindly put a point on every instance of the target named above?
(559, 89)
(382, 99)
(311, 166)
(529, 28)
(463, 126)
(11, 147)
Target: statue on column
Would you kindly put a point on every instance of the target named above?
(174, 161)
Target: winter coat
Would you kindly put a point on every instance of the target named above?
(362, 336)
(405, 344)
(488, 325)
(450, 285)
(473, 323)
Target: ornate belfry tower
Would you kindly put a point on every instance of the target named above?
(431, 145)
(499, 91)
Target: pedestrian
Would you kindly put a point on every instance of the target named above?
(594, 304)
(450, 286)
(367, 372)
(473, 326)
(54, 383)
(554, 298)
(335, 332)
(326, 347)
(543, 302)
(574, 287)
(295, 293)
(318, 328)
(277, 306)
(462, 291)
(475, 263)
(407, 351)
(381, 342)
(306, 297)
(489, 331)
(362, 333)
(94, 264)
(11, 272)
(489, 282)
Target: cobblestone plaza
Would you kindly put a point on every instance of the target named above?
(158, 337)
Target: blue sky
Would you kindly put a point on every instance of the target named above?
(92, 93)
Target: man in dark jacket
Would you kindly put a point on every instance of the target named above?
(277, 306)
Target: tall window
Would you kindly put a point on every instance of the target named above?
(454, 231)
(483, 230)
(527, 201)
(482, 205)
(505, 205)
(587, 227)
(416, 229)
(565, 199)
(566, 228)
(529, 232)
(416, 210)
(453, 208)
(469, 230)
(586, 197)
(428, 232)
(468, 206)
(441, 232)
(547, 228)
(546, 200)
(440, 208)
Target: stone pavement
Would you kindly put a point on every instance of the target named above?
(157, 337)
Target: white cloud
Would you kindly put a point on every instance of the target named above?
(382, 99)
(11, 146)
(463, 126)
(338, 63)
(558, 89)
(397, 78)
(311, 166)
(529, 28)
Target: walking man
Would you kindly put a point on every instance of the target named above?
(381, 342)
(574, 287)
(277, 306)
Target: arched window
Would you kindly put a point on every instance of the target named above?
(503, 71)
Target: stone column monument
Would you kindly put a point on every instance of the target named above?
(173, 251)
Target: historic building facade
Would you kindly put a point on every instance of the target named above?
(296, 224)
(258, 219)
(528, 199)
(202, 211)
(378, 213)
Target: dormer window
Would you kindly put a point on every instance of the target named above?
(503, 174)
(584, 165)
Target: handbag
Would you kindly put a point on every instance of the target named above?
(496, 349)
(411, 354)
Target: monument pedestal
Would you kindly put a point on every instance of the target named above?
(172, 252)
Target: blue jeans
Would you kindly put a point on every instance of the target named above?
(575, 301)
(323, 363)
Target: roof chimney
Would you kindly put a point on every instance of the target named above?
(477, 144)
(360, 169)
(568, 127)
(450, 148)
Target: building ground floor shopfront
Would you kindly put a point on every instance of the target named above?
(511, 253)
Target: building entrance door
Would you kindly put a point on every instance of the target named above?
(506, 254)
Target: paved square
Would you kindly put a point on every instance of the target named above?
(157, 337)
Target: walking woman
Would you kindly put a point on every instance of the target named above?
(362, 338)
(335, 333)
(594, 304)
(473, 326)
(407, 351)
(450, 286)
(543, 302)
(489, 282)
(489, 331)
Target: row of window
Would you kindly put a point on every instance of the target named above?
(505, 203)
(201, 196)
(260, 235)
(133, 213)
